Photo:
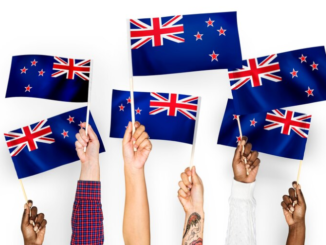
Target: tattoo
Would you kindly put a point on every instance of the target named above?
(193, 220)
(194, 231)
(199, 241)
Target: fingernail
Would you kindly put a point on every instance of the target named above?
(295, 202)
(35, 228)
(292, 209)
(290, 212)
(32, 222)
(135, 146)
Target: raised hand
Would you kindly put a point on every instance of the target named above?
(33, 225)
(245, 162)
(139, 141)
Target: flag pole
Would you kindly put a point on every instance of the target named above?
(195, 135)
(131, 84)
(240, 130)
(299, 172)
(89, 97)
(22, 186)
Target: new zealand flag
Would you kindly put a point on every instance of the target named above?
(47, 144)
(278, 132)
(184, 43)
(48, 77)
(279, 80)
(166, 116)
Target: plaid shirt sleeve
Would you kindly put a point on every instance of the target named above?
(87, 216)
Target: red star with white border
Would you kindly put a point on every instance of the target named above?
(221, 31)
(128, 100)
(34, 62)
(23, 70)
(303, 58)
(65, 134)
(314, 66)
(238, 139)
(71, 119)
(138, 111)
(253, 122)
(41, 72)
(235, 117)
(28, 88)
(210, 22)
(214, 56)
(198, 36)
(121, 107)
(310, 92)
(294, 73)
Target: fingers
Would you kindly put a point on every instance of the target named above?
(188, 171)
(287, 200)
(292, 196)
(255, 164)
(239, 149)
(253, 156)
(185, 180)
(139, 130)
(146, 144)
(128, 134)
(247, 149)
(81, 138)
(301, 200)
(38, 221)
(25, 219)
(40, 235)
(140, 139)
(184, 188)
(33, 215)
(284, 206)
(181, 193)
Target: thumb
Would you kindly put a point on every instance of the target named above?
(128, 134)
(25, 219)
(301, 199)
(194, 176)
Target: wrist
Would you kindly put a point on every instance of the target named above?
(298, 226)
(200, 211)
(90, 172)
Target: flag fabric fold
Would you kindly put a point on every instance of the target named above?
(49, 77)
(184, 43)
(278, 132)
(47, 144)
(279, 80)
(166, 116)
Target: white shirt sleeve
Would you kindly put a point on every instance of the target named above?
(242, 220)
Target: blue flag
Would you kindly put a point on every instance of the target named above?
(278, 132)
(184, 43)
(279, 80)
(166, 116)
(47, 144)
(48, 77)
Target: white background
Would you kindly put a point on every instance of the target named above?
(97, 30)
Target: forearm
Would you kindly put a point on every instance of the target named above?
(136, 222)
(90, 172)
(194, 228)
(297, 234)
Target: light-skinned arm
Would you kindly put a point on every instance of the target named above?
(136, 221)
(191, 197)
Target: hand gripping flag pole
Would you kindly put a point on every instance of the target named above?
(89, 97)
(240, 130)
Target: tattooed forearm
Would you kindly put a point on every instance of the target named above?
(193, 221)
(199, 241)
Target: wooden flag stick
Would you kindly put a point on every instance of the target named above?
(89, 98)
(299, 172)
(22, 186)
(195, 135)
(240, 130)
(132, 104)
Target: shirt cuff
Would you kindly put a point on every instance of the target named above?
(90, 190)
(242, 190)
